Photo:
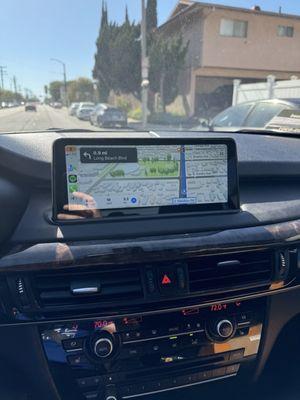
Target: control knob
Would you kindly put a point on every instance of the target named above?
(221, 329)
(102, 345)
(225, 328)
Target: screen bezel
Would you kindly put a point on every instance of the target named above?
(59, 176)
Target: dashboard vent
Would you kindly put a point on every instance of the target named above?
(87, 287)
(231, 272)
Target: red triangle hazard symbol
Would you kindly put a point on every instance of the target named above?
(166, 280)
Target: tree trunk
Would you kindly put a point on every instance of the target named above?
(162, 92)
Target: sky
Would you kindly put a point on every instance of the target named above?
(34, 31)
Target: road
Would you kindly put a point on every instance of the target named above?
(16, 119)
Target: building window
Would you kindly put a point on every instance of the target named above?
(285, 31)
(234, 28)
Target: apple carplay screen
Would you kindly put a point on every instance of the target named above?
(102, 178)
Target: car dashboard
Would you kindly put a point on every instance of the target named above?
(187, 303)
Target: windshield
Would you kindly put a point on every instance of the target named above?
(149, 64)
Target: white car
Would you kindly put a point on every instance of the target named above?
(84, 112)
(73, 108)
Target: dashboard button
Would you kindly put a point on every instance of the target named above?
(73, 344)
(91, 395)
(216, 373)
(205, 375)
(88, 382)
(151, 281)
(77, 360)
(167, 281)
(172, 330)
(236, 355)
(244, 318)
(131, 335)
(242, 332)
(232, 369)
(181, 277)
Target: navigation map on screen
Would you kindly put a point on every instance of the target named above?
(115, 177)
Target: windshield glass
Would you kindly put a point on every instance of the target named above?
(149, 64)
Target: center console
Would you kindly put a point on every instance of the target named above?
(152, 313)
(137, 355)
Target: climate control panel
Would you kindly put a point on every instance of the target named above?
(127, 356)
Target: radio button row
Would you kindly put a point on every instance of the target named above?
(185, 380)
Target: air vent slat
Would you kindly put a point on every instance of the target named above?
(116, 285)
(250, 269)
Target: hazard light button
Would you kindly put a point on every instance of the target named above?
(167, 281)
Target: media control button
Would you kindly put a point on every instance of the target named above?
(73, 344)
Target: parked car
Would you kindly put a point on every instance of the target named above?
(84, 112)
(86, 104)
(252, 114)
(30, 107)
(57, 104)
(73, 108)
(106, 116)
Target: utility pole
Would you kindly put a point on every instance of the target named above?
(15, 87)
(2, 73)
(145, 66)
(65, 79)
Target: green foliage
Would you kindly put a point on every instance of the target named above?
(54, 90)
(151, 15)
(9, 96)
(136, 114)
(117, 59)
(167, 58)
(117, 173)
(81, 89)
(124, 104)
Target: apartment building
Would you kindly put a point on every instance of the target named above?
(228, 43)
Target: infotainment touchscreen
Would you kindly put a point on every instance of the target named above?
(116, 177)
